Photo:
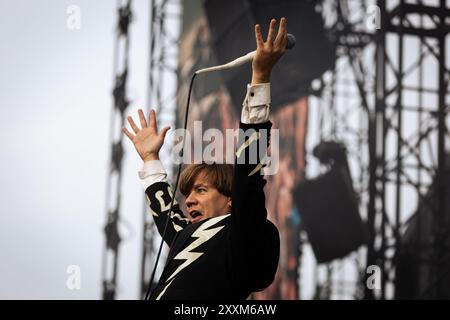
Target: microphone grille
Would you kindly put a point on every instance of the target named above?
(290, 41)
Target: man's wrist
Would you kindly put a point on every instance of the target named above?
(151, 157)
(258, 78)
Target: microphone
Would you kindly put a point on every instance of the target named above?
(246, 58)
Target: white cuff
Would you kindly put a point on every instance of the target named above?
(256, 104)
(153, 171)
(258, 94)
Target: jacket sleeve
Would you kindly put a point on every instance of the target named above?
(254, 239)
(159, 196)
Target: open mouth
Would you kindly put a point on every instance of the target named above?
(196, 215)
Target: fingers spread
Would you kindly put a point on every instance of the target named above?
(142, 118)
(281, 39)
(164, 131)
(128, 133)
(258, 35)
(133, 125)
(153, 120)
(271, 34)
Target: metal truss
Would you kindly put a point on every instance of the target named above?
(411, 135)
(387, 100)
(343, 99)
(111, 251)
(164, 33)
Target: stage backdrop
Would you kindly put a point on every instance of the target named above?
(213, 104)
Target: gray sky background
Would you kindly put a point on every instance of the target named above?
(56, 105)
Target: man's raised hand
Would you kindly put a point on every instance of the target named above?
(269, 52)
(146, 140)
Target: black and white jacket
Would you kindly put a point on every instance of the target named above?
(225, 257)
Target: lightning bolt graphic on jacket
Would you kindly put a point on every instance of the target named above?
(202, 236)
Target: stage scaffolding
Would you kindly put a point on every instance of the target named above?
(110, 257)
(387, 100)
(164, 34)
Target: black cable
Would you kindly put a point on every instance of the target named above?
(149, 290)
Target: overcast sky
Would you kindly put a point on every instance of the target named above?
(56, 105)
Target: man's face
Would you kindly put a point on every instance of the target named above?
(205, 201)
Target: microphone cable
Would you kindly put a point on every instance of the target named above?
(291, 40)
(149, 290)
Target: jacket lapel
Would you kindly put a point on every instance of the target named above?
(182, 237)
